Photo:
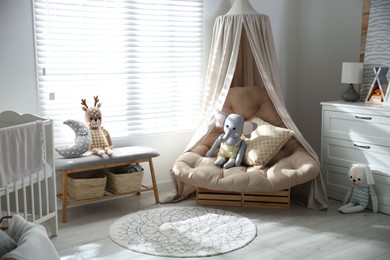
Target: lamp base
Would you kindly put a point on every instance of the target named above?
(350, 94)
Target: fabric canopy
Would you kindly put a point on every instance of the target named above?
(243, 54)
(225, 69)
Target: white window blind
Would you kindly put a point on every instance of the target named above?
(142, 58)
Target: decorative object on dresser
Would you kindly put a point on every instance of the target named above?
(378, 90)
(356, 133)
(183, 231)
(375, 43)
(351, 74)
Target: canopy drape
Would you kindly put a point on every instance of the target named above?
(243, 54)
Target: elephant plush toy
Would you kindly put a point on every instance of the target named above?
(232, 147)
(362, 190)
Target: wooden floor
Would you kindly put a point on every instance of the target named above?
(295, 233)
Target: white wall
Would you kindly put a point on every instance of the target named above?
(284, 15)
(17, 71)
(312, 38)
(329, 33)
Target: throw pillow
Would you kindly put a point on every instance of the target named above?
(82, 141)
(265, 142)
(7, 244)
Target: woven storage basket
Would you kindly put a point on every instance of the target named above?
(120, 181)
(86, 185)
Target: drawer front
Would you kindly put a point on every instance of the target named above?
(357, 127)
(336, 180)
(344, 153)
(382, 190)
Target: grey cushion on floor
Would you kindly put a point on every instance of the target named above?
(7, 243)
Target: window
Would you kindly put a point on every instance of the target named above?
(142, 58)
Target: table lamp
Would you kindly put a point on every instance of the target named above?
(351, 74)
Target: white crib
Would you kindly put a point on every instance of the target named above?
(32, 196)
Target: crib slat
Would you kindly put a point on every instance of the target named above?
(47, 195)
(7, 198)
(16, 198)
(24, 194)
(39, 197)
(32, 199)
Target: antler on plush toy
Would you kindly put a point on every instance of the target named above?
(101, 140)
(96, 101)
(362, 190)
(84, 103)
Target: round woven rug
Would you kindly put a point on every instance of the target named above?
(183, 231)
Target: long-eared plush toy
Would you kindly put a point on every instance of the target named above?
(232, 147)
(362, 190)
(101, 140)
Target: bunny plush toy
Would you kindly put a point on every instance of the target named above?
(357, 199)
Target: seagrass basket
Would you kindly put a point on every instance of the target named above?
(120, 181)
(86, 185)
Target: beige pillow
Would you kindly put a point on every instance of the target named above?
(265, 142)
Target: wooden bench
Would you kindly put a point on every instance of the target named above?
(122, 156)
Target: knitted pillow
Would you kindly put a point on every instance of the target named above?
(265, 142)
(7, 244)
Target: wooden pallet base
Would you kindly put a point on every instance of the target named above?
(277, 199)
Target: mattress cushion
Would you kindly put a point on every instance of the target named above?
(199, 171)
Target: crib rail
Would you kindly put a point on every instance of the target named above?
(28, 197)
(33, 197)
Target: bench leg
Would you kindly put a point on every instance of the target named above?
(64, 196)
(154, 181)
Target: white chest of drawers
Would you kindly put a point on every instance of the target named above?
(356, 132)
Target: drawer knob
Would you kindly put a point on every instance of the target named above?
(363, 117)
(362, 146)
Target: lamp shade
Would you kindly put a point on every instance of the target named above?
(352, 72)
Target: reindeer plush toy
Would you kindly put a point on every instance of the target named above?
(101, 140)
